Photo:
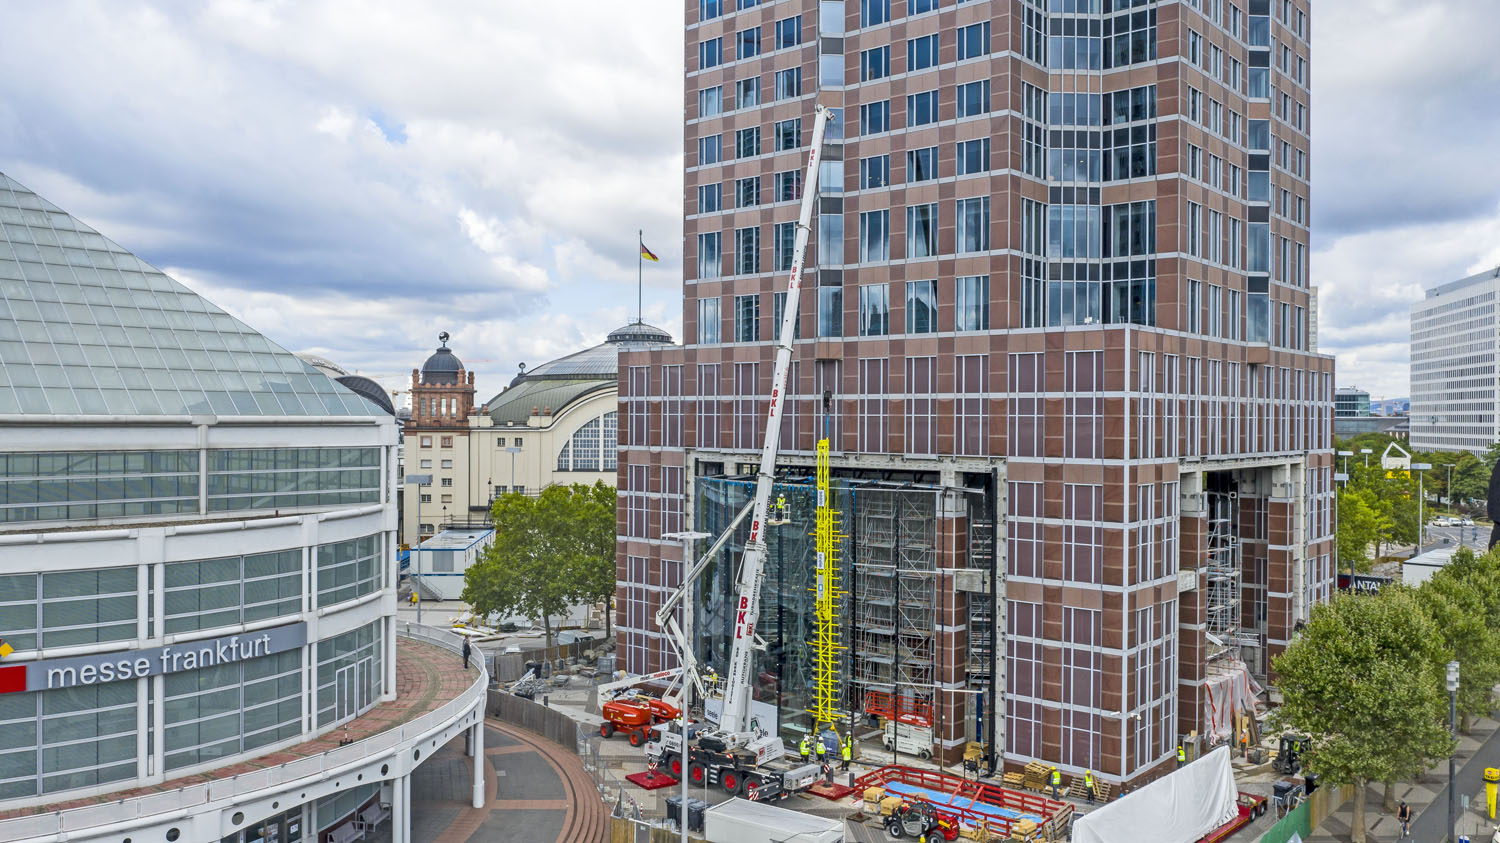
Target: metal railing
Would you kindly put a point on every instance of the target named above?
(180, 802)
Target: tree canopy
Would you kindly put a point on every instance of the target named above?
(550, 552)
(1364, 682)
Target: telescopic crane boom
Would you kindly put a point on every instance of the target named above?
(734, 729)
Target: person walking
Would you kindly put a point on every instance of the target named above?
(1056, 781)
(1244, 743)
(468, 649)
(846, 752)
(822, 749)
(1181, 756)
(1088, 784)
(1403, 815)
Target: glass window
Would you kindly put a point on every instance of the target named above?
(747, 318)
(831, 17)
(708, 9)
(747, 192)
(747, 142)
(778, 307)
(708, 321)
(874, 310)
(788, 32)
(974, 98)
(709, 256)
(921, 109)
(873, 12)
(708, 198)
(747, 92)
(830, 239)
(710, 53)
(973, 302)
(711, 101)
(973, 156)
(788, 134)
(830, 311)
(348, 569)
(921, 307)
(875, 235)
(875, 117)
(747, 250)
(710, 150)
(921, 231)
(921, 53)
(747, 43)
(874, 171)
(973, 40)
(974, 224)
(921, 164)
(875, 63)
(830, 70)
(830, 177)
(789, 83)
(785, 236)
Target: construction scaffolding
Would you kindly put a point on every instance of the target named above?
(894, 565)
(828, 591)
(1222, 567)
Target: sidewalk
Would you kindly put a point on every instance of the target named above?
(1427, 796)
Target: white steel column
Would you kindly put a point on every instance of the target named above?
(476, 743)
(401, 809)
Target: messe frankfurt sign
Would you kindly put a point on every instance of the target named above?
(52, 674)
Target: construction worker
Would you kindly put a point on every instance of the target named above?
(1056, 781)
(1244, 743)
(846, 751)
(1088, 784)
(1181, 756)
(806, 747)
(822, 749)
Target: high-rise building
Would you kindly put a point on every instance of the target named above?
(1350, 402)
(1453, 366)
(1055, 327)
(197, 568)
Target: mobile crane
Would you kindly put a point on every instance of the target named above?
(737, 753)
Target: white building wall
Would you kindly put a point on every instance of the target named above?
(1455, 366)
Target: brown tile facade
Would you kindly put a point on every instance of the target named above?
(1102, 430)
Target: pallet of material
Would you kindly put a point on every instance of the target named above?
(1017, 780)
(1038, 776)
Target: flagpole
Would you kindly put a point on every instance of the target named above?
(640, 245)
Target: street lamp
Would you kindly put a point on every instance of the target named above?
(1342, 479)
(1367, 452)
(1453, 759)
(688, 538)
(1346, 455)
(1420, 467)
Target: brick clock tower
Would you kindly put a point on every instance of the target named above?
(437, 437)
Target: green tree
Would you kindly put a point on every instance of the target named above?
(1471, 478)
(589, 531)
(520, 572)
(1364, 682)
(1359, 527)
(1455, 599)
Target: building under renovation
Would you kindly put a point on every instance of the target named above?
(1055, 329)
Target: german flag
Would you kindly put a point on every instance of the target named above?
(648, 254)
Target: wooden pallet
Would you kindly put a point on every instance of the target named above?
(1103, 790)
(1017, 780)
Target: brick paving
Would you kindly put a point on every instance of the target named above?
(427, 676)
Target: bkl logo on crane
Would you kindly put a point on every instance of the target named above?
(743, 626)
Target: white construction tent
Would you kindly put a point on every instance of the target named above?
(1180, 807)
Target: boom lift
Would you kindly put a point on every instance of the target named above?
(738, 753)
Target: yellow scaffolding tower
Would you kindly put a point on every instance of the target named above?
(828, 588)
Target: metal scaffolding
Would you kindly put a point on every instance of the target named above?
(827, 591)
(895, 609)
(1222, 569)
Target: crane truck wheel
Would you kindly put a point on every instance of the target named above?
(697, 773)
(732, 782)
(637, 737)
(606, 729)
(674, 765)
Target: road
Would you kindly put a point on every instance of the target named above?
(1430, 824)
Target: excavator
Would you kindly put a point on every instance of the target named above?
(737, 753)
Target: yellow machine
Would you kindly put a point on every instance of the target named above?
(827, 586)
(1491, 780)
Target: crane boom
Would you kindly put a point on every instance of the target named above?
(735, 718)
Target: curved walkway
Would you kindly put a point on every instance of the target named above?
(537, 792)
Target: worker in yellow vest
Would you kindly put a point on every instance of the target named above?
(1056, 781)
(821, 748)
(805, 747)
(1181, 756)
(846, 750)
(1088, 784)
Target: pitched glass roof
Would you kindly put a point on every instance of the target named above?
(88, 328)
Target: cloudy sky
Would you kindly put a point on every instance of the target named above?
(353, 176)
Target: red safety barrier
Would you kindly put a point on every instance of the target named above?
(902, 709)
(1051, 811)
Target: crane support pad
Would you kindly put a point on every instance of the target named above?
(651, 779)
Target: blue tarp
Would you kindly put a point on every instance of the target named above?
(968, 803)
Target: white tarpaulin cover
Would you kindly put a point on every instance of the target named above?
(1180, 807)
(1229, 690)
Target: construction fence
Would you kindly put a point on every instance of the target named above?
(535, 717)
(1301, 821)
(508, 667)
